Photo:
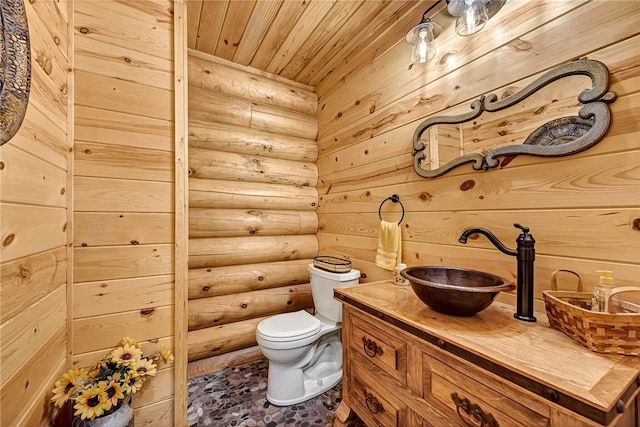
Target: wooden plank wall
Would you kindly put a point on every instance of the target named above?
(124, 188)
(252, 201)
(34, 196)
(583, 210)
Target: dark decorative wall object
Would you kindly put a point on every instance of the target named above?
(15, 67)
(559, 137)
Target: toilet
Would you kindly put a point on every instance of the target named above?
(305, 351)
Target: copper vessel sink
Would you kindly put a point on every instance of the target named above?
(456, 291)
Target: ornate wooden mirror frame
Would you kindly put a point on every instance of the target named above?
(15, 67)
(559, 137)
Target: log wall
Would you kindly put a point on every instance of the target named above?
(252, 201)
(35, 197)
(583, 210)
(124, 185)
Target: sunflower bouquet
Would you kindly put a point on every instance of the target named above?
(101, 389)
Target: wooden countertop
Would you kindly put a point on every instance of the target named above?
(534, 355)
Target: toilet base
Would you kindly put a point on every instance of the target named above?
(318, 371)
(312, 388)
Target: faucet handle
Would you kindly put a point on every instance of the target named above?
(524, 229)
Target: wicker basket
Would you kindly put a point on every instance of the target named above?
(611, 333)
(332, 264)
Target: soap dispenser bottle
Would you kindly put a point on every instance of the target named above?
(600, 295)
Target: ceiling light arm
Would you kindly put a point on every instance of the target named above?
(424, 15)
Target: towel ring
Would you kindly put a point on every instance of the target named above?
(395, 199)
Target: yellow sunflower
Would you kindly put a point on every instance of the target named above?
(132, 383)
(166, 355)
(130, 342)
(144, 367)
(94, 373)
(126, 355)
(113, 390)
(92, 403)
(65, 387)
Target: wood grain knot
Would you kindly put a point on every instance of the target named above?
(446, 57)
(24, 272)
(1, 166)
(147, 311)
(206, 288)
(425, 196)
(135, 242)
(636, 224)
(244, 305)
(467, 185)
(84, 30)
(7, 240)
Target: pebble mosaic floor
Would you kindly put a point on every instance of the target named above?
(236, 396)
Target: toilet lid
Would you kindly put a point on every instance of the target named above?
(289, 326)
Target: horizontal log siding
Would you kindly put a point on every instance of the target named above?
(252, 201)
(583, 210)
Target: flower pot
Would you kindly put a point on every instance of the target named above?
(122, 416)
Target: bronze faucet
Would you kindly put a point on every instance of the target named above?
(525, 254)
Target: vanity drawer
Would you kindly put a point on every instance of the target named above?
(471, 401)
(387, 351)
(374, 404)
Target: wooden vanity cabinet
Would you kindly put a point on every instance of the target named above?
(405, 365)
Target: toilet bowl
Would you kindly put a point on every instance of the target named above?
(305, 351)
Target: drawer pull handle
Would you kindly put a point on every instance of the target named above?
(474, 411)
(373, 404)
(371, 348)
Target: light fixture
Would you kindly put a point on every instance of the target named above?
(471, 17)
(422, 38)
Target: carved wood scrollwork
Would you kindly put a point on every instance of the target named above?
(559, 137)
(15, 67)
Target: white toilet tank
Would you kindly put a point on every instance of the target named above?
(322, 285)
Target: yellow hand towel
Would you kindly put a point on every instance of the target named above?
(389, 252)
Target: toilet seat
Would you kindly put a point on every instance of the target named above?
(285, 327)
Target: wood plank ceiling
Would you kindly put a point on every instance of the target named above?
(301, 40)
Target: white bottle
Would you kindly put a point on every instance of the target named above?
(397, 278)
(600, 295)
